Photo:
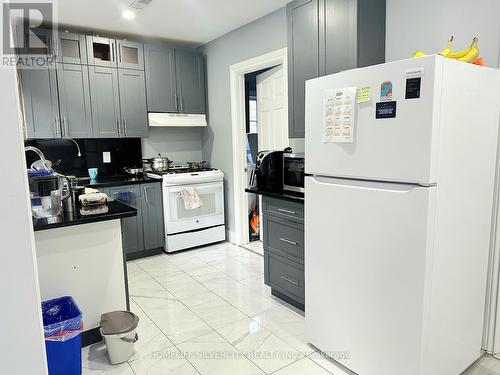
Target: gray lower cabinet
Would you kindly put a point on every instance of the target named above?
(160, 78)
(283, 229)
(132, 227)
(190, 76)
(74, 100)
(286, 277)
(40, 103)
(142, 235)
(152, 207)
(105, 102)
(326, 37)
(133, 107)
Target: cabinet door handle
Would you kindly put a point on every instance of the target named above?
(58, 126)
(65, 126)
(112, 51)
(118, 127)
(182, 104)
(118, 47)
(287, 211)
(288, 241)
(291, 281)
(146, 195)
(176, 103)
(124, 127)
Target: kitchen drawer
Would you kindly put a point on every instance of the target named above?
(284, 237)
(286, 276)
(284, 208)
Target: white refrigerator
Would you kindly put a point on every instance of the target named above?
(398, 219)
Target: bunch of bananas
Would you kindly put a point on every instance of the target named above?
(468, 55)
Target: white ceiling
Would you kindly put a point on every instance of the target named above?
(193, 21)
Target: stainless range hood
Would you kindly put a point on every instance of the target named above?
(156, 119)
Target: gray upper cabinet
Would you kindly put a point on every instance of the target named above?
(175, 80)
(40, 104)
(134, 116)
(130, 55)
(71, 48)
(152, 215)
(101, 51)
(105, 102)
(329, 36)
(74, 100)
(338, 41)
(190, 78)
(160, 78)
(371, 32)
(303, 58)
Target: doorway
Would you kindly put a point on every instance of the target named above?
(265, 127)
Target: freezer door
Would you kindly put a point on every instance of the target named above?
(365, 254)
(385, 149)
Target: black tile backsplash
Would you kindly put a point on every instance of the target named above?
(124, 153)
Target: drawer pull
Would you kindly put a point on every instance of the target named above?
(288, 241)
(287, 211)
(286, 278)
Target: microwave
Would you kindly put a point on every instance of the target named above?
(293, 172)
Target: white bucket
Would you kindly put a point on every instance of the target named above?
(120, 346)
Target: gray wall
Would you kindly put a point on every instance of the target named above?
(177, 143)
(427, 24)
(254, 39)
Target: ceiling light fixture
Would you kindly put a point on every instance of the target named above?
(128, 14)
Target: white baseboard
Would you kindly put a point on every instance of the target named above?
(231, 236)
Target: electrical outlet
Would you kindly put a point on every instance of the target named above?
(106, 157)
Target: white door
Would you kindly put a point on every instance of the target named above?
(272, 110)
(364, 272)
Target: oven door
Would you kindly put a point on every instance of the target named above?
(178, 219)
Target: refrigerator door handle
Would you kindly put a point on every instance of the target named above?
(395, 187)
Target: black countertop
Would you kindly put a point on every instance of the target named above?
(287, 195)
(107, 181)
(116, 210)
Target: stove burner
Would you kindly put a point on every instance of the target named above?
(188, 170)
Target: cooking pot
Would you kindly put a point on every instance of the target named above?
(196, 165)
(133, 171)
(159, 164)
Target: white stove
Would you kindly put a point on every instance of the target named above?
(186, 228)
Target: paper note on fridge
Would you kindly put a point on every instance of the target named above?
(363, 94)
(339, 115)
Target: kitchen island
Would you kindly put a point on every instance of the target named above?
(82, 256)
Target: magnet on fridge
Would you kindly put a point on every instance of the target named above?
(385, 110)
(386, 90)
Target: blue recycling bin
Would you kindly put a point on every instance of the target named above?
(62, 324)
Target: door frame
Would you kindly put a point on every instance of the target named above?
(237, 73)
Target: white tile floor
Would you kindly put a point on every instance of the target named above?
(207, 311)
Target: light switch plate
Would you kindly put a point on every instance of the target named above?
(106, 157)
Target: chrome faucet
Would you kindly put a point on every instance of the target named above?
(40, 155)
